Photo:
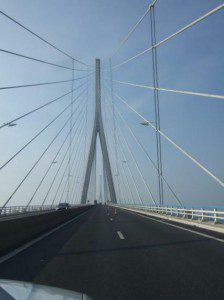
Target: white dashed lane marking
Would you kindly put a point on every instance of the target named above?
(120, 235)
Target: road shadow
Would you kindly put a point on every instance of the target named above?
(134, 248)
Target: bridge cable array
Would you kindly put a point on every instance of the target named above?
(41, 38)
(77, 121)
(40, 107)
(219, 181)
(39, 84)
(38, 160)
(39, 60)
(211, 12)
(122, 141)
(73, 136)
(142, 148)
(132, 30)
(134, 160)
(155, 88)
(40, 132)
(57, 154)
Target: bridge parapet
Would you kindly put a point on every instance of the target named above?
(20, 209)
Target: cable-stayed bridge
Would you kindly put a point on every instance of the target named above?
(97, 196)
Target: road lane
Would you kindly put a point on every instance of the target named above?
(154, 261)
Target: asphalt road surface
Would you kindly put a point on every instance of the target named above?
(123, 256)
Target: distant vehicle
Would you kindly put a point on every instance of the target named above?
(63, 206)
(95, 201)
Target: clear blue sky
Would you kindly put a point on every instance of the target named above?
(88, 29)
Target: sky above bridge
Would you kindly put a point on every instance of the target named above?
(192, 61)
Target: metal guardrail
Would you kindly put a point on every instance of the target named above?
(14, 210)
(10, 210)
(214, 215)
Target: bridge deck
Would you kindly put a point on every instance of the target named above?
(123, 256)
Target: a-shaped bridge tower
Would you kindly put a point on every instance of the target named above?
(98, 129)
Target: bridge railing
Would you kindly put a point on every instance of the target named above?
(209, 215)
(12, 210)
(8, 210)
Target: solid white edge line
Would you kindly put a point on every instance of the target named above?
(29, 244)
(176, 226)
(120, 235)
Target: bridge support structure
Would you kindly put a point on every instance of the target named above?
(98, 129)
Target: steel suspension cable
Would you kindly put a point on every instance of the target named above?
(114, 131)
(39, 107)
(131, 174)
(38, 134)
(132, 30)
(156, 105)
(129, 189)
(122, 165)
(129, 185)
(63, 175)
(66, 182)
(86, 116)
(77, 167)
(41, 38)
(136, 163)
(73, 195)
(117, 175)
(70, 140)
(38, 60)
(211, 12)
(39, 84)
(59, 168)
(138, 167)
(172, 90)
(114, 123)
(119, 189)
(51, 164)
(36, 163)
(219, 181)
(123, 183)
(147, 155)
